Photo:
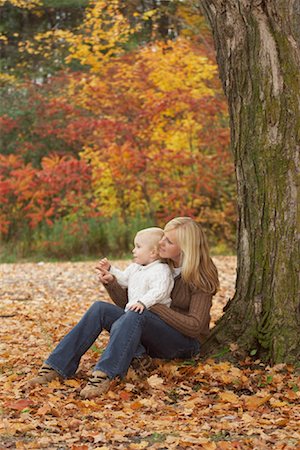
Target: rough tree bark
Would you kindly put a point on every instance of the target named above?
(258, 52)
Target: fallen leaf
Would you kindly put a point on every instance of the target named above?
(155, 381)
(124, 395)
(255, 402)
(19, 404)
(72, 383)
(136, 405)
(228, 396)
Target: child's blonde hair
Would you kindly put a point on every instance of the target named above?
(198, 268)
(154, 235)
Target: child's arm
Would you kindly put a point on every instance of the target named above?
(122, 276)
(107, 272)
(160, 285)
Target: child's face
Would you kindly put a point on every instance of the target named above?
(143, 253)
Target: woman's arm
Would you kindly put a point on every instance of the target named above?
(191, 317)
(117, 293)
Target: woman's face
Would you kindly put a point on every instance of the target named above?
(169, 247)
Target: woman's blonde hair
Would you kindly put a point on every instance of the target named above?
(198, 269)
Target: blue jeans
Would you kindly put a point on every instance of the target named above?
(131, 334)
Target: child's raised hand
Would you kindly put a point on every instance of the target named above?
(103, 264)
(137, 307)
(103, 267)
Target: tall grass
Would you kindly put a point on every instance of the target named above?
(70, 239)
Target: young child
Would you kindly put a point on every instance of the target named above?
(148, 279)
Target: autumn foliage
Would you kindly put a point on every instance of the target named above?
(133, 131)
(192, 404)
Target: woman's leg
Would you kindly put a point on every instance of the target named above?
(133, 329)
(66, 356)
(163, 341)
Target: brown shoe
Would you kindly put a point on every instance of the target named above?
(142, 365)
(97, 385)
(45, 375)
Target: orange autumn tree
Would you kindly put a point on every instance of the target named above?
(148, 121)
(160, 144)
(33, 197)
(16, 188)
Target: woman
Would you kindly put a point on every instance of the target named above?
(161, 332)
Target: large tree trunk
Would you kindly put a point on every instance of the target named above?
(258, 52)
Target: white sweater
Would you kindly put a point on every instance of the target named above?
(148, 284)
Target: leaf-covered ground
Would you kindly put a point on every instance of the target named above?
(180, 405)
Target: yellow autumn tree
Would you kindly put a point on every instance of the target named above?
(103, 33)
(160, 132)
(25, 4)
(156, 109)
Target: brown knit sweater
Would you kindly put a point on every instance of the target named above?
(189, 312)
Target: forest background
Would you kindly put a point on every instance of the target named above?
(112, 118)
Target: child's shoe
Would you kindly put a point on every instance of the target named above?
(45, 375)
(97, 385)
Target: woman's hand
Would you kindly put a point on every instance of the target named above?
(104, 276)
(137, 307)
